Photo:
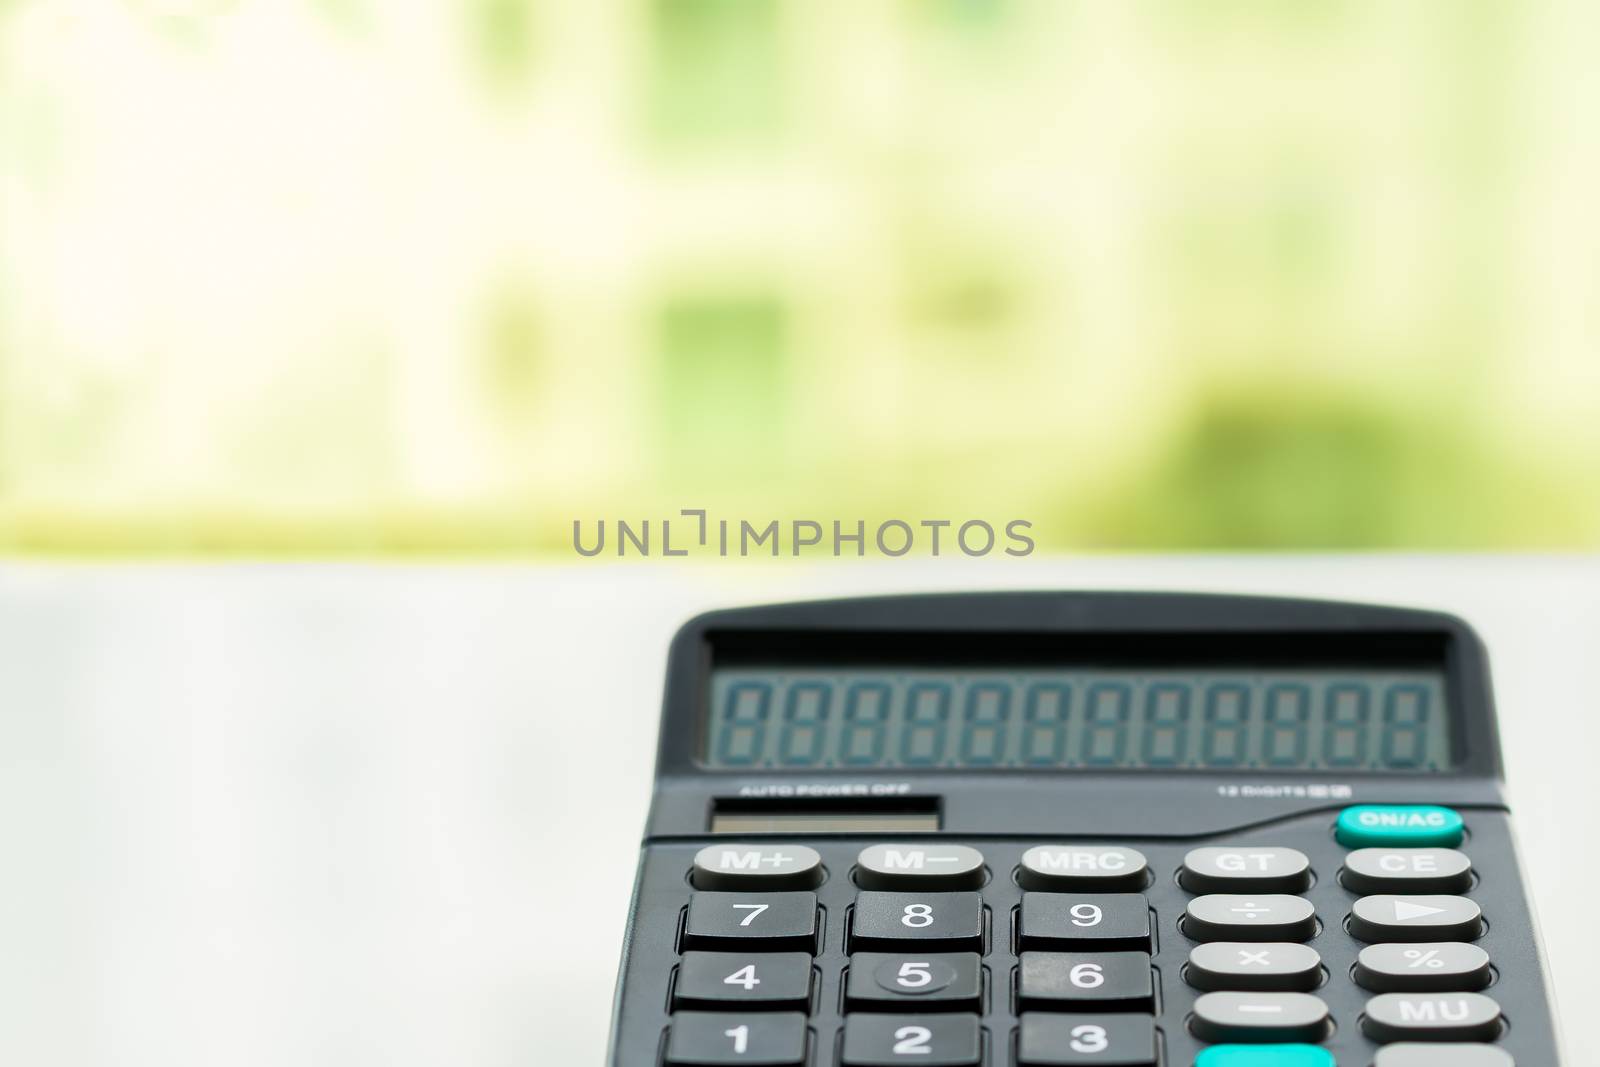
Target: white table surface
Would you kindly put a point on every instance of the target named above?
(349, 814)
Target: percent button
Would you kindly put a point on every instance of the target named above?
(1423, 967)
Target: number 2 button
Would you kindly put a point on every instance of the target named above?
(943, 920)
(929, 1040)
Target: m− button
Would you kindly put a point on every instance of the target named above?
(735, 866)
(1386, 917)
(1245, 870)
(1082, 867)
(921, 866)
(1249, 917)
(1253, 966)
(1431, 1017)
(1406, 870)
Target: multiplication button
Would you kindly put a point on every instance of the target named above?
(1240, 870)
(1250, 917)
(923, 866)
(1261, 967)
(1082, 868)
(1385, 917)
(1406, 870)
(1423, 967)
(759, 867)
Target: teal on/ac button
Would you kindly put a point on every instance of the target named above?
(1399, 825)
(1265, 1056)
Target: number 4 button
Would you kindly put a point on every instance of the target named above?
(1109, 1040)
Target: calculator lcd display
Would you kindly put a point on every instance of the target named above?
(1325, 719)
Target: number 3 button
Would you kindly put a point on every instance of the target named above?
(1049, 1040)
(928, 1040)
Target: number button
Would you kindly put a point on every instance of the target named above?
(1059, 980)
(1406, 870)
(757, 867)
(725, 979)
(895, 981)
(1246, 870)
(929, 1040)
(1082, 867)
(919, 867)
(1110, 921)
(1249, 917)
(1415, 918)
(1425, 1017)
(712, 1039)
(1272, 966)
(1050, 1040)
(1423, 967)
(1259, 1017)
(935, 920)
(751, 920)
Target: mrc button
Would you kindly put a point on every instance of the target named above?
(737, 866)
(922, 866)
(1082, 867)
(1399, 826)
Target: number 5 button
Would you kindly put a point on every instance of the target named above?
(895, 981)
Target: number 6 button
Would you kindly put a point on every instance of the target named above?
(929, 1040)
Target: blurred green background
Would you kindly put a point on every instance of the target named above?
(349, 276)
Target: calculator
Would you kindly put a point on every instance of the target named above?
(1050, 829)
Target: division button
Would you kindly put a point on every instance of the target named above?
(892, 981)
(1050, 1040)
(714, 1038)
(1265, 1056)
(735, 866)
(1259, 1017)
(899, 921)
(1406, 870)
(1399, 826)
(1431, 1017)
(1082, 867)
(922, 866)
(1100, 921)
(744, 980)
(1257, 967)
(1072, 981)
(1246, 870)
(1415, 918)
(928, 1040)
(1423, 967)
(1433, 1054)
(751, 920)
(1249, 917)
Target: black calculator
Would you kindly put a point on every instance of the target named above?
(1052, 829)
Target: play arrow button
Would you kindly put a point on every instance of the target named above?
(1404, 911)
(1385, 918)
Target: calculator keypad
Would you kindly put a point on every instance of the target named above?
(1045, 954)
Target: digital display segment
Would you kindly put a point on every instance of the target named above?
(1244, 718)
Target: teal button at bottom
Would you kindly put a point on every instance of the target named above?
(1265, 1056)
(1399, 826)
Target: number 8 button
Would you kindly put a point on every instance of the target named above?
(942, 920)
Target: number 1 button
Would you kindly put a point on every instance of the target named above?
(714, 1038)
(929, 1040)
